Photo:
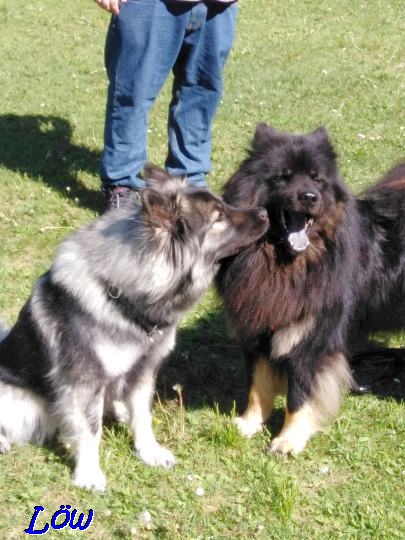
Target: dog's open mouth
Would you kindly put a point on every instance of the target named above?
(297, 226)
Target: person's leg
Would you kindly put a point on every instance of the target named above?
(197, 89)
(143, 42)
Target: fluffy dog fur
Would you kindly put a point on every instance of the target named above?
(331, 269)
(99, 323)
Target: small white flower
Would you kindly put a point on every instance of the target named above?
(190, 477)
(324, 469)
(200, 492)
(361, 136)
(145, 518)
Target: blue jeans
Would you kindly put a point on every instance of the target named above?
(147, 40)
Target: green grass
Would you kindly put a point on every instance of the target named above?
(297, 65)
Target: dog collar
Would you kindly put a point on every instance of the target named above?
(128, 308)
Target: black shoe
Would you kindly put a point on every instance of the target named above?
(118, 196)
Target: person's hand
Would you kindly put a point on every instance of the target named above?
(113, 6)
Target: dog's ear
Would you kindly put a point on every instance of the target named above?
(158, 178)
(320, 134)
(321, 138)
(264, 135)
(158, 208)
(154, 174)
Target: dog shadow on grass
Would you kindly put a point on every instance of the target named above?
(41, 147)
(208, 365)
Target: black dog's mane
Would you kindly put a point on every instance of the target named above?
(353, 268)
(264, 287)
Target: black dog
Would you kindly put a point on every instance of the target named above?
(330, 269)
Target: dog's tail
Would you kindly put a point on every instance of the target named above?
(24, 417)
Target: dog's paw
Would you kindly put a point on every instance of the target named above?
(248, 428)
(120, 411)
(156, 455)
(286, 446)
(93, 480)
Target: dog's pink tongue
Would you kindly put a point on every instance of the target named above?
(298, 240)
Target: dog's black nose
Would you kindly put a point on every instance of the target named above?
(308, 196)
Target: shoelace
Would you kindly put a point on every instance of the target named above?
(119, 196)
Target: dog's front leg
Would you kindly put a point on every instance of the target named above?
(139, 402)
(265, 385)
(312, 401)
(87, 473)
(80, 410)
(139, 396)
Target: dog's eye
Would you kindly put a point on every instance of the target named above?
(314, 175)
(283, 177)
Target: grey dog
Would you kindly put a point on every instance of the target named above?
(100, 322)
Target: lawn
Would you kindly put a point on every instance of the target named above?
(297, 65)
